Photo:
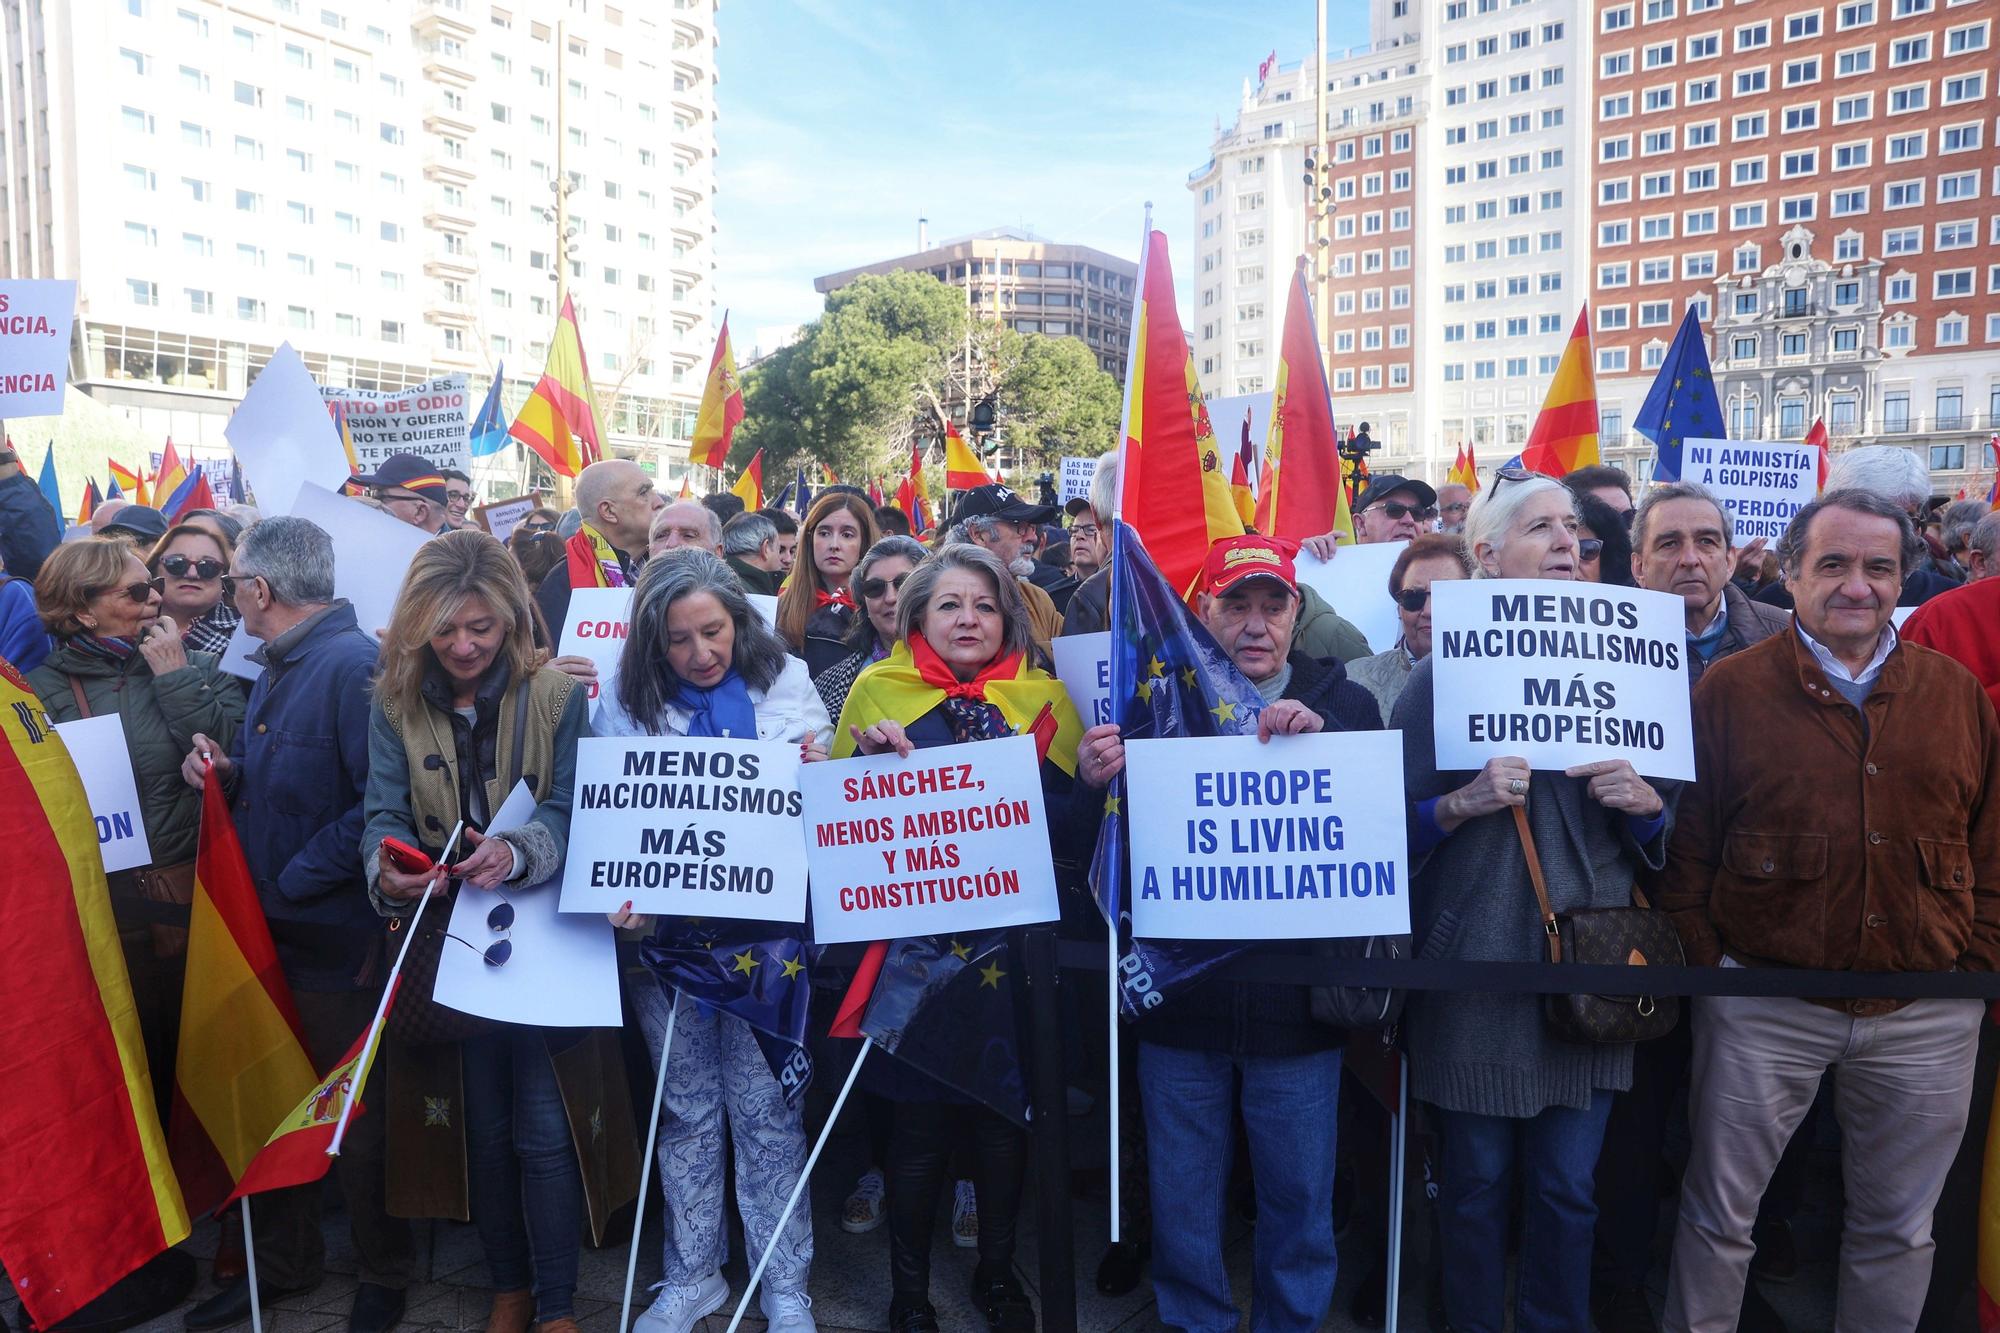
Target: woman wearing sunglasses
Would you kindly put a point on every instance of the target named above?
(878, 582)
(192, 560)
(1603, 546)
(1433, 557)
(116, 655)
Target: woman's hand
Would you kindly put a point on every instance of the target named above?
(1503, 782)
(881, 738)
(627, 919)
(195, 768)
(1287, 717)
(407, 888)
(811, 752)
(580, 669)
(1750, 559)
(161, 647)
(491, 862)
(1100, 755)
(1616, 785)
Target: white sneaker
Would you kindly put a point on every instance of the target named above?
(965, 1217)
(787, 1311)
(864, 1210)
(677, 1309)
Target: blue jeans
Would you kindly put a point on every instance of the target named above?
(1555, 1156)
(521, 1171)
(1289, 1112)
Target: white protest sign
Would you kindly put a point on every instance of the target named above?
(502, 516)
(1356, 584)
(950, 840)
(372, 551)
(1073, 481)
(598, 621)
(104, 762)
(236, 654)
(35, 319)
(1301, 838)
(1560, 674)
(1083, 665)
(284, 437)
(561, 971)
(687, 826)
(766, 606)
(1762, 483)
(1231, 416)
(428, 419)
(1901, 614)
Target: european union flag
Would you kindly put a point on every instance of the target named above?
(488, 433)
(1682, 404)
(1168, 678)
(946, 1006)
(741, 969)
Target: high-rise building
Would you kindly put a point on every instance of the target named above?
(372, 182)
(1819, 183)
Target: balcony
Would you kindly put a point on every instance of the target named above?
(448, 18)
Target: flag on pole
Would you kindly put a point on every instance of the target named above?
(87, 1193)
(962, 469)
(126, 481)
(167, 482)
(1240, 493)
(750, 486)
(1564, 437)
(1681, 404)
(337, 409)
(1171, 486)
(721, 405)
(913, 496)
(829, 477)
(197, 494)
(1818, 441)
(805, 493)
(51, 489)
(89, 504)
(738, 968)
(559, 420)
(488, 432)
(1302, 494)
(112, 491)
(1465, 469)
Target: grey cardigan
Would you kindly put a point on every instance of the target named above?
(1471, 898)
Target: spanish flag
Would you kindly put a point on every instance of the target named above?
(559, 420)
(962, 469)
(828, 473)
(1816, 439)
(1031, 701)
(1171, 487)
(687, 486)
(913, 495)
(750, 486)
(1465, 469)
(721, 406)
(1564, 437)
(243, 1062)
(86, 1191)
(88, 505)
(1302, 493)
(131, 482)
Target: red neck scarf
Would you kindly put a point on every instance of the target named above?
(932, 670)
(845, 597)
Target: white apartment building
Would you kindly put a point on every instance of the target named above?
(372, 182)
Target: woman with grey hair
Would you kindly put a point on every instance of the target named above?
(877, 584)
(1515, 1102)
(699, 662)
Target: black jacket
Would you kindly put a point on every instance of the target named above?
(29, 529)
(552, 596)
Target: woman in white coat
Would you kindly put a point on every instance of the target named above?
(699, 661)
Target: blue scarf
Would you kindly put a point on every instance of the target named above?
(724, 709)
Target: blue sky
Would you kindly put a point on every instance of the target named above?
(841, 122)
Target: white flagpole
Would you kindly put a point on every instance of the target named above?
(646, 1165)
(250, 1267)
(382, 1007)
(1399, 1130)
(805, 1174)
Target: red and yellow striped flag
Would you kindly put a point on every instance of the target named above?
(962, 469)
(1302, 494)
(559, 420)
(749, 487)
(86, 1190)
(1465, 469)
(242, 1062)
(721, 406)
(1564, 437)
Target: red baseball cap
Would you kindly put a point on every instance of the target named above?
(1234, 559)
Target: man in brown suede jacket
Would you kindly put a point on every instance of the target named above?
(1846, 815)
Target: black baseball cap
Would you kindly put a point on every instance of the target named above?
(141, 520)
(1387, 484)
(410, 472)
(1003, 503)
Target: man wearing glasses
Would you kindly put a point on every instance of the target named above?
(1394, 509)
(411, 488)
(457, 496)
(1086, 550)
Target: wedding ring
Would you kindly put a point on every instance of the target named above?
(1518, 787)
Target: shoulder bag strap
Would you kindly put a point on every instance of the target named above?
(76, 688)
(1541, 886)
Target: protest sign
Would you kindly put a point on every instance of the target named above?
(766, 606)
(502, 516)
(948, 841)
(1231, 415)
(283, 436)
(1073, 481)
(687, 827)
(104, 762)
(35, 319)
(1356, 584)
(1762, 483)
(598, 621)
(1301, 838)
(1560, 674)
(1083, 665)
(428, 419)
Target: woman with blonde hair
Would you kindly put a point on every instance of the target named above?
(817, 608)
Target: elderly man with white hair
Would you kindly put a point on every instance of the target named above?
(1897, 475)
(616, 500)
(685, 523)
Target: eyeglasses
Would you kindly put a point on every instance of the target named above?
(1397, 509)
(459, 497)
(408, 497)
(232, 582)
(1413, 600)
(1512, 473)
(1083, 530)
(532, 528)
(875, 588)
(1590, 547)
(140, 593)
(204, 569)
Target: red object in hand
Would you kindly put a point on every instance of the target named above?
(410, 860)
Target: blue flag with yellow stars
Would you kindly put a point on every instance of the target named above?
(1682, 404)
(947, 1006)
(741, 968)
(1168, 678)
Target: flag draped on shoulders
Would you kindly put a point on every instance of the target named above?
(1564, 437)
(749, 487)
(1682, 404)
(894, 688)
(748, 969)
(559, 420)
(592, 563)
(962, 469)
(721, 406)
(1302, 495)
(1171, 486)
(87, 1193)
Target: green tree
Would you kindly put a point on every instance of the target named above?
(1055, 399)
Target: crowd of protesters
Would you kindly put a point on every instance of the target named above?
(1846, 817)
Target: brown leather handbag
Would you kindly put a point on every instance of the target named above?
(1633, 936)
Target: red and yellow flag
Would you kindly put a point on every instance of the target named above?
(750, 486)
(1302, 493)
(1564, 437)
(962, 469)
(559, 420)
(242, 1062)
(721, 406)
(171, 474)
(1816, 439)
(1465, 469)
(88, 505)
(687, 486)
(87, 1193)
(913, 496)
(1240, 493)
(1171, 486)
(129, 480)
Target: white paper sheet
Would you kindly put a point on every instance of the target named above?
(371, 551)
(1356, 583)
(284, 436)
(104, 762)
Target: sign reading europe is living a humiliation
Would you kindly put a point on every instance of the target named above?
(427, 419)
(949, 840)
(1762, 483)
(687, 827)
(1560, 674)
(35, 318)
(1300, 838)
